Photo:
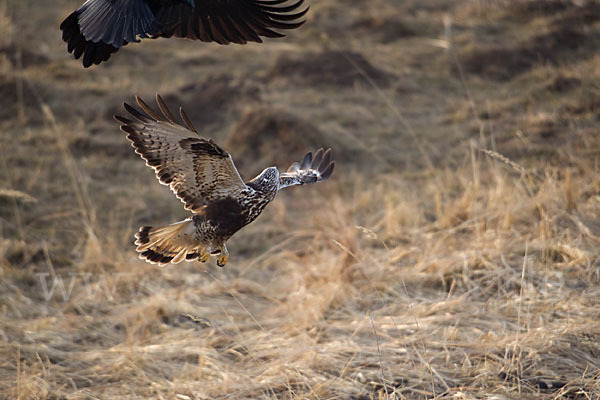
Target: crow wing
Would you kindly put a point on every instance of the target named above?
(115, 21)
(100, 27)
(230, 21)
(197, 170)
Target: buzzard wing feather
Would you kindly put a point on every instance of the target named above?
(197, 170)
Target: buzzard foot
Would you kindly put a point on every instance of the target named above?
(203, 257)
(221, 261)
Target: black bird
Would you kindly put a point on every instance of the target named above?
(101, 27)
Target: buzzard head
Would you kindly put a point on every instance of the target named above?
(266, 181)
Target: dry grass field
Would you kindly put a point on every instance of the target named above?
(454, 254)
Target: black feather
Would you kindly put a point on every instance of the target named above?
(306, 161)
(328, 171)
(325, 161)
(318, 157)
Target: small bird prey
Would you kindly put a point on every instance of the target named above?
(202, 175)
(101, 27)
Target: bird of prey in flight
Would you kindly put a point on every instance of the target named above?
(99, 28)
(203, 176)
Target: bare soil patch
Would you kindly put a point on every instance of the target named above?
(22, 57)
(335, 68)
(385, 29)
(269, 136)
(558, 47)
(17, 98)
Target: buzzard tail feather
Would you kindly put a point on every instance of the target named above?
(168, 244)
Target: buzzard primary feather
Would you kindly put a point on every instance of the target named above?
(99, 28)
(203, 176)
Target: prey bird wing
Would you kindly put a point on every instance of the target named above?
(231, 21)
(311, 169)
(197, 170)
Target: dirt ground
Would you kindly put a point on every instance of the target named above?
(454, 254)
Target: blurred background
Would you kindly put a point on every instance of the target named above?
(453, 254)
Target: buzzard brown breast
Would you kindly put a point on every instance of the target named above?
(227, 216)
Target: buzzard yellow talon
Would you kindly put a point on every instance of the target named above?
(221, 261)
(203, 256)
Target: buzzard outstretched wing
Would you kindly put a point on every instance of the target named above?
(230, 21)
(197, 170)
